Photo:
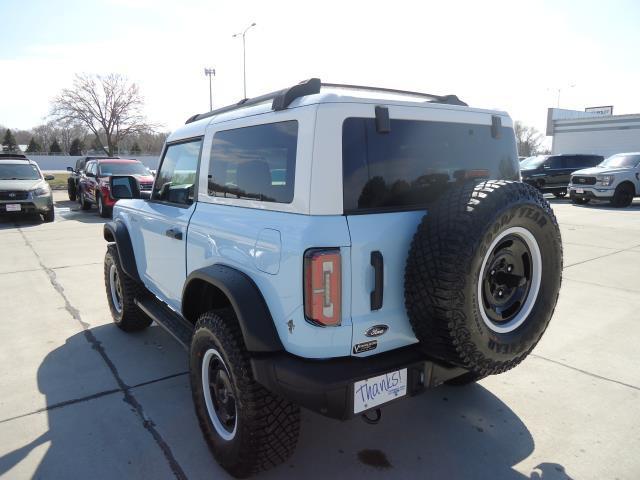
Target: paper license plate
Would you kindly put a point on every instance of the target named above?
(13, 207)
(579, 190)
(375, 391)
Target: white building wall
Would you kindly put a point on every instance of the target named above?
(603, 142)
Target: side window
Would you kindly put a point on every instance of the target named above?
(256, 163)
(88, 167)
(556, 162)
(177, 175)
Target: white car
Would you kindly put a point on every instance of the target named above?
(616, 179)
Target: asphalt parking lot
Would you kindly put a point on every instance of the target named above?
(81, 399)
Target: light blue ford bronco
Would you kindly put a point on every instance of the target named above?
(333, 247)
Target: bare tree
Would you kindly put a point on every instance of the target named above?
(528, 138)
(109, 106)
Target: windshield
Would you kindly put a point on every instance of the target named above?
(17, 171)
(133, 168)
(533, 162)
(621, 160)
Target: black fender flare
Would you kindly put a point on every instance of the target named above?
(117, 232)
(258, 330)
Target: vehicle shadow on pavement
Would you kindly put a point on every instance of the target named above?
(93, 431)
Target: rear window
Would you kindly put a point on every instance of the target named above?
(416, 161)
(255, 163)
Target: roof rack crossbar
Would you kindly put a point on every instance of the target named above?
(449, 99)
(283, 98)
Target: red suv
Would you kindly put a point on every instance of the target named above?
(94, 182)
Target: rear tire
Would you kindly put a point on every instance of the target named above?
(560, 194)
(122, 291)
(623, 195)
(248, 429)
(483, 275)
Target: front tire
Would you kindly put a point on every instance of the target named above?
(84, 204)
(103, 211)
(248, 429)
(71, 190)
(560, 194)
(122, 291)
(49, 216)
(623, 195)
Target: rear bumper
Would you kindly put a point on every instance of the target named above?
(327, 386)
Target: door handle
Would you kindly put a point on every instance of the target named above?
(174, 233)
(378, 288)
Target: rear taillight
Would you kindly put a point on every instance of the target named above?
(323, 286)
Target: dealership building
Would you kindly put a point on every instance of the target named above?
(596, 130)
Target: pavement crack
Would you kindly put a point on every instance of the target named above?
(129, 398)
(91, 397)
(594, 375)
(601, 256)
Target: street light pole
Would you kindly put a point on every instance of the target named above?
(210, 72)
(244, 55)
(559, 90)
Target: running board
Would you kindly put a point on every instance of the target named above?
(172, 322)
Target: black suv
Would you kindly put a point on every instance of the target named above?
(551, 173)
(76, 173)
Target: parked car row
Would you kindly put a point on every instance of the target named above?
(89, 181)
(585, 177)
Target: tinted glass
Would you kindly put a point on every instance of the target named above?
(556, 162)
(133, 168)
(177, 175)
(414, 163)
(18, 171)
(257, 163)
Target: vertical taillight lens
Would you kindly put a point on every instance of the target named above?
(323, 286)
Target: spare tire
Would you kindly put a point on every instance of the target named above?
(483, 275)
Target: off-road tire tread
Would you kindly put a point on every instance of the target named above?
(133, 319)
(272, 423)
(440, 258)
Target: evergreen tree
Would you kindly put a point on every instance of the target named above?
(55, 147)
(9, 142)
(135, 148)
(34, 146)
(77, 146)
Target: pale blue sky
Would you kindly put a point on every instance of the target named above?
(503, 54)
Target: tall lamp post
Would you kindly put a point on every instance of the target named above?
(244, 55)
(559, 90)
(210, 72)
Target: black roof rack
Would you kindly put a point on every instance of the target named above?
(13, 156)
(283, 98)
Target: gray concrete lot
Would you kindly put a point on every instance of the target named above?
(81, 399)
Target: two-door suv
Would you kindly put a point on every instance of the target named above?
(94, 187)
(333, 247)
(23, 187)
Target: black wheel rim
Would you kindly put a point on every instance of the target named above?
(222, 396)
(506, 280)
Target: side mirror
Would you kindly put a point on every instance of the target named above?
(48, 178)
(124, 187)
(70, 169)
